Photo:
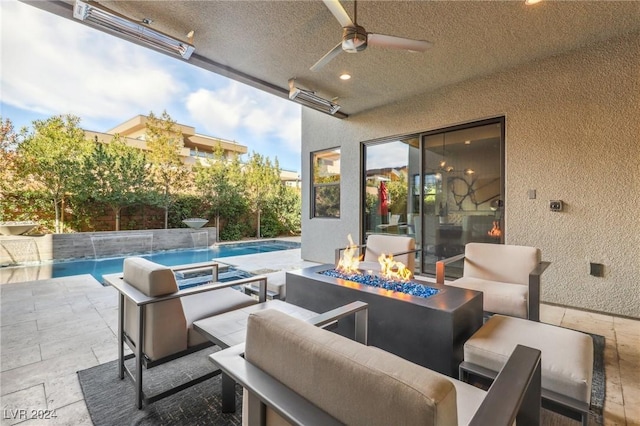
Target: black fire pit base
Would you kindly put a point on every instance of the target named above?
(427, 331)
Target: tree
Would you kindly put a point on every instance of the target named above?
(8, 157)
(286, 210)
(114, 174)
(220, 183)
(164, 141)
(51, 156)
(262, 181)
(398, 190)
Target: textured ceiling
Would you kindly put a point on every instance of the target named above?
(274, 41)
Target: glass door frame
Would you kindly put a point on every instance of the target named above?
(500, 120)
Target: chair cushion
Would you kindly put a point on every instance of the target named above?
(498, 297)
(567, 355)
(389, 244)
(165, 325)
(210, 303)
(150, 278)
(500, 262)
(383, 389)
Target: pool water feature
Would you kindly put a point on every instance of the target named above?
(112, 265)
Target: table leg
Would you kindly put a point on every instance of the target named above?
(228, 394)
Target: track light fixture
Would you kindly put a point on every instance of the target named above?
(106, 19)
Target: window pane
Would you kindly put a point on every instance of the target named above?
(392, 188)
(326, 183)
(326, 201)
(326, 166)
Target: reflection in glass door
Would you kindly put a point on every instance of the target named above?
(462, 190)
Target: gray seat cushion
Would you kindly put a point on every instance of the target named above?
(210, 303)
(567, 355)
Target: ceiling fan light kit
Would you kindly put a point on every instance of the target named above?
(356, 39)
(311, 100)
(112, 22)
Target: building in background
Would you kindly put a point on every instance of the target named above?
(197, 148)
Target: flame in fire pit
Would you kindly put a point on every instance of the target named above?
(389, 269)
(350, 260)
(495, 232)
(393, 270)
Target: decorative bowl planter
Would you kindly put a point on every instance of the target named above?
(17, 228)
(195, 223)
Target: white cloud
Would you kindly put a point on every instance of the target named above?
(236, 111)
(54, 66)
(394, 154)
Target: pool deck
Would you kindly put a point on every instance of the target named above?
(52, 328)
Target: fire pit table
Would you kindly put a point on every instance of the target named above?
(429, 331)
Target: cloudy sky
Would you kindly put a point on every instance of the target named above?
(52, 65)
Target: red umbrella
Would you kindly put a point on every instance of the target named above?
(383, 196)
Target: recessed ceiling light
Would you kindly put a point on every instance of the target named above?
(530, 2)
(467, 142)
(345, 76)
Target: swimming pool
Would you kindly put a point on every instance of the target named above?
(111, 265)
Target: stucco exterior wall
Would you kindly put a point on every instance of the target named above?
(572, 134)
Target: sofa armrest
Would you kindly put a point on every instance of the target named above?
(265, 391)
(440, 265)
(534, 290)
(339, 251)
(136, 296)
(199, 267)
(515, 395)
(361, 311)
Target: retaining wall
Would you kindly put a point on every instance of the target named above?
(89, 245)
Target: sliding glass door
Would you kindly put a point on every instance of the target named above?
(444, 188)
(462, 190)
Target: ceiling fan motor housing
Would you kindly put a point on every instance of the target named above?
(354, 39)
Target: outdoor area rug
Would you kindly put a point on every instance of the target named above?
(111, 401)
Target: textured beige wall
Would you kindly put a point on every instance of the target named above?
(572, 133)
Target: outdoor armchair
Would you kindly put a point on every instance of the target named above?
(507, 275)
(154, 311)
(295, 373)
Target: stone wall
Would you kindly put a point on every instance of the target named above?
(89, 245)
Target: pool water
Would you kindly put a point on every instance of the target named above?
(112, 265)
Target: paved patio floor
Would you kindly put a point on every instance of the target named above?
(52, 328)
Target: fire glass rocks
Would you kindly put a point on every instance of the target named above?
(406, 287)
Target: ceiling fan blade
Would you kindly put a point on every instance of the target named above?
(327, 58)
(335, 7)
(382, 40)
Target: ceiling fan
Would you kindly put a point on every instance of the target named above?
(355, 38)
